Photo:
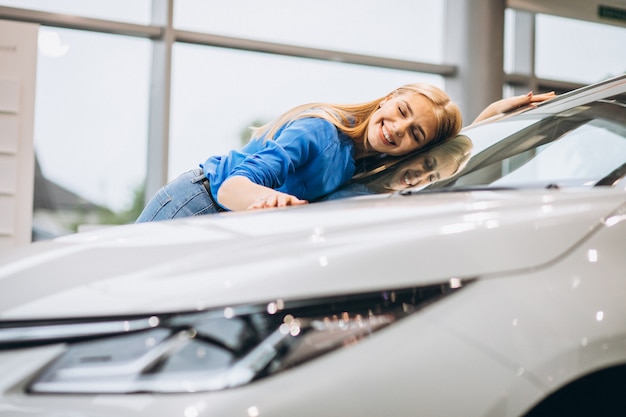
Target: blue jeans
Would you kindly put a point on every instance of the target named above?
(183, 197)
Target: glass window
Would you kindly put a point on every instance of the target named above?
(218, 93)
(577, 147)
(577, 51)
(91, 111)
(135, 11)
(402, 29)
(518, 36)
(573, 159)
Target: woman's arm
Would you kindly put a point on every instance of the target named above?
(512, 103)
(253, 183)
(239, 193)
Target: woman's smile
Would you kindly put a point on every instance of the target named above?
(385, 135)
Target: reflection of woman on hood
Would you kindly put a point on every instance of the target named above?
(426, 167)
(420, 168)
(416, 170)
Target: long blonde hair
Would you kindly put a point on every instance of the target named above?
(457, 149)
(353, 119)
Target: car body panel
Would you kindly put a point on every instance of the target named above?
(297, 252)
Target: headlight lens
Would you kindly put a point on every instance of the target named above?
(214, 349)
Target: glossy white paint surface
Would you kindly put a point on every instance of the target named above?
(198, 263)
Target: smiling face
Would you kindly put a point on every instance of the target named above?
(403, 123)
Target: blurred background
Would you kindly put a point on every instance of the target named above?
(131, 93)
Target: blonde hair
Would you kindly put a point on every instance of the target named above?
(353, 119)
(457, 149)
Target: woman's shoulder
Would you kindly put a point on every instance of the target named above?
(312, 127)
(312, 121)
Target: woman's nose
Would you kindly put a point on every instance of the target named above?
(400, 127)
(415, 177)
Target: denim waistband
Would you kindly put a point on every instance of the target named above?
(207, 187)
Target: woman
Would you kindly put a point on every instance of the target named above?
(312, 150)
(309, 152)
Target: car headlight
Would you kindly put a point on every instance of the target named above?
(209, 350)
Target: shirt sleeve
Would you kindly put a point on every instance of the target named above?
(296, 144)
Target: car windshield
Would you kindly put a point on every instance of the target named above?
(577, 146)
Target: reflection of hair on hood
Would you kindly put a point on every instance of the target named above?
(459, 149)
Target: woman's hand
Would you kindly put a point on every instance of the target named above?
(276, 199)
(512, 103)
(239, 193)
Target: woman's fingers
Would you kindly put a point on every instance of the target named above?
(276, 200)
(525, 99)
(257, 204)
(537, 98)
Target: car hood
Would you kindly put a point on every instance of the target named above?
(352, 245)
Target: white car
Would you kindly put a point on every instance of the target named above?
(500, 291)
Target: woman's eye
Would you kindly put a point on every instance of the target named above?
(415, 136)
(401, 111)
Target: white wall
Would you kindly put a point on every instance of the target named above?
(18, 60)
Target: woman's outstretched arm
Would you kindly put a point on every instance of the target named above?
(512, 103)
(239, 193)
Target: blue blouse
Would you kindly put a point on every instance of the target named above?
(308, 158)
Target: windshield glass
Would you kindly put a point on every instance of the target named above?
(572, 158)
(576, 147)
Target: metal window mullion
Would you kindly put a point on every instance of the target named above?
(252, 45)
(160, 98)
(533, 53)
(80, 23)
